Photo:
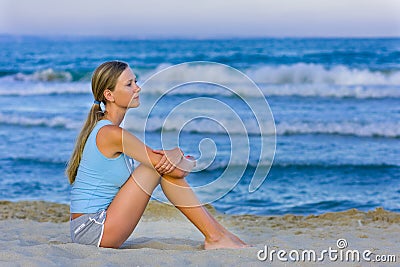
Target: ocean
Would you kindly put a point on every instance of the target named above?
(335, 104)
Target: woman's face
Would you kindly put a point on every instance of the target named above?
(126, 92)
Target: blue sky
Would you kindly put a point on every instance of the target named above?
(205, 18)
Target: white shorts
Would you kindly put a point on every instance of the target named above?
(88, 229)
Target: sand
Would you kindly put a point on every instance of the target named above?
(37, 234)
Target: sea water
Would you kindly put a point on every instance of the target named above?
(335, 104)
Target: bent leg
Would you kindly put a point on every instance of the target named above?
(128, 206)
(180, 194)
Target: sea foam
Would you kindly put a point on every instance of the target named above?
(54, 122)
(305, 80)
(360, 129)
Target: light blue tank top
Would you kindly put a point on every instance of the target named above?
(99, 178)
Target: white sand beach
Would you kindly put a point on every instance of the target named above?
(164, 237)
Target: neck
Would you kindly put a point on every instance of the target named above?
(114, 115)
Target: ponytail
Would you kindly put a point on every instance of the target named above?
(93, 117)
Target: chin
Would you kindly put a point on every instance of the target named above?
(134, 105)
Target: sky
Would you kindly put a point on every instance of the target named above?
(203, 18)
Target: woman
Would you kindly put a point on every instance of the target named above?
(107, 198)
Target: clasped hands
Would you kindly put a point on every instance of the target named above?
(170, 160)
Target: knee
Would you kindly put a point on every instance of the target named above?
(146, 171)
(146, 177)
(176, 174)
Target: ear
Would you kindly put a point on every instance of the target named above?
(108, 95)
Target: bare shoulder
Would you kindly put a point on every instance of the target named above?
(109, 134)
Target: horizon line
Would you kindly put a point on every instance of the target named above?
(210, 37)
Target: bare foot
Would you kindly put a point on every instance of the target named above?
(226, 240)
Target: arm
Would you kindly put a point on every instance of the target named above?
(136, 149)
(115, 139)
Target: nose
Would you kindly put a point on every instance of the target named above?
(138, 89)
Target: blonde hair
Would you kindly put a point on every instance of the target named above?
(104, 77)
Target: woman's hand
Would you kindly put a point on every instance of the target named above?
(169, 161)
